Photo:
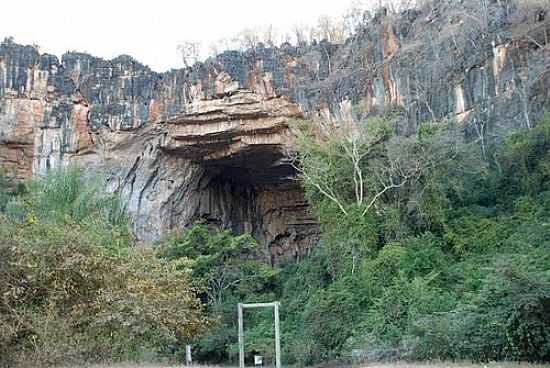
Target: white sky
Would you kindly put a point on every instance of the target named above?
(148, 30)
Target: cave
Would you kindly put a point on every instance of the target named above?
(258, 193)
(243, 146)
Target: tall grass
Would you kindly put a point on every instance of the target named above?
(72, 193)
(78, 198)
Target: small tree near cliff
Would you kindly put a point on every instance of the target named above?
(220, 262)
(346, 170)
(190, 52)
(350, 164)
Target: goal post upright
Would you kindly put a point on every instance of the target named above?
(241, 335)
(277, 336)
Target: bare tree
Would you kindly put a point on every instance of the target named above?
(313, 33)
(300, 33)
(270, 35)
(331, 29)
(354, 16)
(190, 52)
(248, 38)
(215, 48)
(352, 158)
(396, 6)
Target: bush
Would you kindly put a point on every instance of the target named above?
(69, 275)
(62, 287)
(73, 197)
(329, 318)
(225, 270)
(9, 189)
(525, 160)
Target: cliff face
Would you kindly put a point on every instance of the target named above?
(226, 162)
(185, 144)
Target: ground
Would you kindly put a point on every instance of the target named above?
(367, 365)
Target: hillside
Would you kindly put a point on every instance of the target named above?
(392, 191)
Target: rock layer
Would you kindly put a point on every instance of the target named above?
(223, 160)
(226, 163)
(245, 131)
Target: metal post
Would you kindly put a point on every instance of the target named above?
(277, 336)
(188, 358)
(241, 335)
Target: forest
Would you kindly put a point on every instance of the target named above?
(431, 248)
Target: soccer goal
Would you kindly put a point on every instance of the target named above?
(275, 306)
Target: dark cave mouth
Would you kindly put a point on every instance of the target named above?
(257, 191)
(256, 170)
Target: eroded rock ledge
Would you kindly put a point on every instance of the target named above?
(225, 162)
(245, 136)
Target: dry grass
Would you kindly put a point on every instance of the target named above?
(133, 365)
(128, 365)
(454, 365)
(368, 365)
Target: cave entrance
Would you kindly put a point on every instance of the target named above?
(266, 203)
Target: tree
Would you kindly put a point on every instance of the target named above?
(350, 165)
(220, 261)
(331, 29)
(270, 35)
(8, 40)
(354, 17)
(190, 52)
(300, 33)
(248, 38)
(226, 269)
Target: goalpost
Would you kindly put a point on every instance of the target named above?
(275, 306)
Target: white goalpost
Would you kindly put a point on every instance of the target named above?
(275, 306)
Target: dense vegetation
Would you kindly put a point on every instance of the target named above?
(71, 286)
(431, 248)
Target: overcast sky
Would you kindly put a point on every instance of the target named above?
(148, 30)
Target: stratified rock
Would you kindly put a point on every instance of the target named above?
(227, 162)
(245, 130)
(224, 161)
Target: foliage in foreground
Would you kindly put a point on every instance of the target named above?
(226, 269)
(428, 251)
(451, 260)
(73, 289)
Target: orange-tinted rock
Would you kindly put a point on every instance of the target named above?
(227, 163)
(17, 129)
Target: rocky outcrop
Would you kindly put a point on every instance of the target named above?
(244, 129)
(185, 144)
(226, 162)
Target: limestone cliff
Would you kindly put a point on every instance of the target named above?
(186, 144)
(225, 162)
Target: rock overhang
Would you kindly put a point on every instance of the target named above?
(226, 162)
(244, 137)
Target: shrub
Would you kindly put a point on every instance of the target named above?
(61, 287)
(226, 270)
(68, 275)
(525, 160)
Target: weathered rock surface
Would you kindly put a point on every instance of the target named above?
(226, 163)
(225, 159)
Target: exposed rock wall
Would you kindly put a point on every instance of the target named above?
(227, 163)
(488, 68)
